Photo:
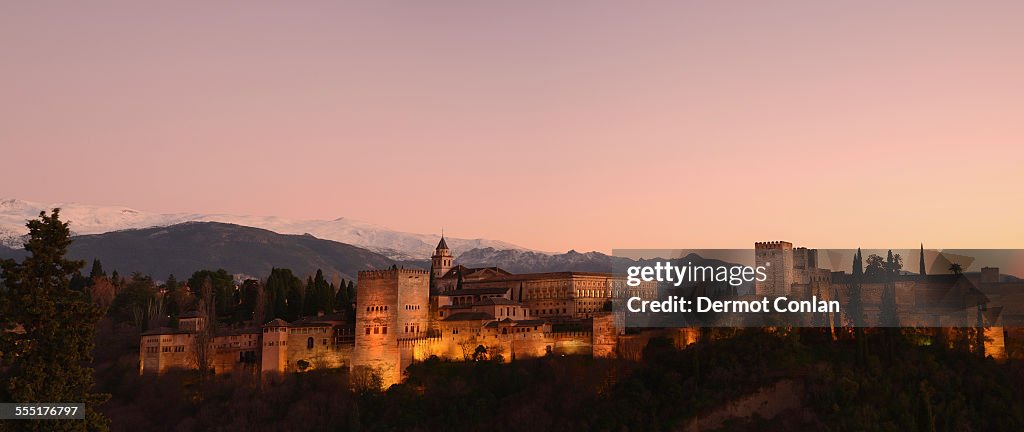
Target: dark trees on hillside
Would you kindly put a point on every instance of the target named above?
(281, 288)
(222, 287)
(45, 360)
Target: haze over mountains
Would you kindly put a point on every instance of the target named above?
(128, 241)
(160, 244)
(93, 219)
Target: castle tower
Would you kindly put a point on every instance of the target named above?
(440, 263)
(390, 305)
(777, 259)
(275, 346)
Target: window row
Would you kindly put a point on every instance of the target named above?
(377, 329)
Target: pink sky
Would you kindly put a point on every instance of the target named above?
(554, 125)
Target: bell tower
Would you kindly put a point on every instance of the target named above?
(441, 261)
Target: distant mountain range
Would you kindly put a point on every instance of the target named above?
(517, 261)
(184, 248)
(92, 219)
(161, 244)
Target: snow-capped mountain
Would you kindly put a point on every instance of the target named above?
(93, 219)
(519, 261)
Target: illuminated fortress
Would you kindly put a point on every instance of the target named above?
(458, 313)
(407, 315)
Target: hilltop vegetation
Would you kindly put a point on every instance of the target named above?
(921, 388)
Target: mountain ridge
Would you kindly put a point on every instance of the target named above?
(95, 219)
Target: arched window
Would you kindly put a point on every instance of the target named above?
(309, 343)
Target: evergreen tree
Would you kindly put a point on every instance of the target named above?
(171, 297)
(310, 302)
(856, 307)
(97, 270)
(222, 286)
(280, 284)
(887, 308)
(46, 361)
(295, 306)
(249, 294)
(855, 310)
(341, 298)
(132, 303)
(324, 294)
(79, 282)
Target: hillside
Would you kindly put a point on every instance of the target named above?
(184, 248)
(95, 219)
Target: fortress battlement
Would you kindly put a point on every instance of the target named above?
(773, 245)
(390, 273)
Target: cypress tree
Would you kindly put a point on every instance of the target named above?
(341, 298)
(888, 304)
(171, 296)
(283, 290)
(856, 307)
(309, 298)
(323, 293)
(46, 361)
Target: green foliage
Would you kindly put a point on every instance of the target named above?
(222, 285)
(172, 297)
(46, 361)
(280, 293)
(341, 296)
(319, 295)
(131, 304)
(97, 270)
(249, 293)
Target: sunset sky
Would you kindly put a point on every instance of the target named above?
(553, 125)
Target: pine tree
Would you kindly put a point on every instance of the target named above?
(97, 270)
(46, 361)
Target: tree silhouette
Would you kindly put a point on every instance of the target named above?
(45, 358)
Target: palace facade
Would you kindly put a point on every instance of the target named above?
(407, 315)
(460, 313)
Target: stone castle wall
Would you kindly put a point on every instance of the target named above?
(387, 300)
(777, 259)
